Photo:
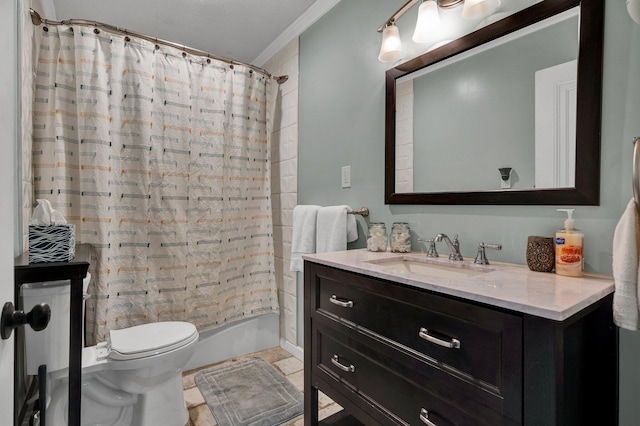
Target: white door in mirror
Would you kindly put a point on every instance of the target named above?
(555, 126)
(633, 7)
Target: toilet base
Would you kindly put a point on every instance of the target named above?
(159, 406)
(103, 405)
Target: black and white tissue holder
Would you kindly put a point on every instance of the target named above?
(51, 238)
(52, 243)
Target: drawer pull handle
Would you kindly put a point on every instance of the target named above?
(337, 363)
(424, 417)
(453, 343)
(334, 299)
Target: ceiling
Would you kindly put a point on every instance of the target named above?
(236, 29)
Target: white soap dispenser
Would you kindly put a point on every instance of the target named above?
(569, 248)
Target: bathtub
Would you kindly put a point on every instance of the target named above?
(240, 338)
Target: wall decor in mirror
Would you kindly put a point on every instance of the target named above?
(506, 114)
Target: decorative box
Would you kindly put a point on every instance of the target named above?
(52, 243)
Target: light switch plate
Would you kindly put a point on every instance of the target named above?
(346, 177)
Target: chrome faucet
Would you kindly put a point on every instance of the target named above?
(454, 246)
(431, 251)
(481, 258)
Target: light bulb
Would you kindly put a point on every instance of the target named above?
(428, 23)
(475, 9)
(391, 48)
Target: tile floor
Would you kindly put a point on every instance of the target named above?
(290, 366)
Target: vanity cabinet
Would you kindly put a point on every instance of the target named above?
(395, 354)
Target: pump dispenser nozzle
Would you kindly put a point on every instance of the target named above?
(569, 223)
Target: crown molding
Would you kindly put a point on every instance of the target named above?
(311, 15)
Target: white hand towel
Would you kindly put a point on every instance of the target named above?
(352, 227)
(303, 240)
(335, 228)
(626, 240)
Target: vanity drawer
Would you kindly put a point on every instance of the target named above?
(366, 373)
(471, 342)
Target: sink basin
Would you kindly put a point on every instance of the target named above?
(422, 267)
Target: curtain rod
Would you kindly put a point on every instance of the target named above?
(37, 20)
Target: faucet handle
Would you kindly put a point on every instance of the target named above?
(431, 250)
(481, 257)
(456, 245)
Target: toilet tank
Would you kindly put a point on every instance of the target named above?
(51, 345)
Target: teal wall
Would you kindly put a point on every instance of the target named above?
(341, 122)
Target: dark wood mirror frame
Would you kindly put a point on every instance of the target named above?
(588, 114)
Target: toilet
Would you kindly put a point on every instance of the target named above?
(134, 378)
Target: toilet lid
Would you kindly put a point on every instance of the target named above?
(150, 339)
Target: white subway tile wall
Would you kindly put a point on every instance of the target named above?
(404, 137)
(284, 179)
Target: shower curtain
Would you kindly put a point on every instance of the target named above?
(162, 161)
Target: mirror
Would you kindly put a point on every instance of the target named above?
(520, 151)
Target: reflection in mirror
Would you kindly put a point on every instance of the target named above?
(522, 94)
(513, 95)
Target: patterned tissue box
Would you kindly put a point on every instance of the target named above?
(52, 243)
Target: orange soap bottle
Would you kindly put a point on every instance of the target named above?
(569, 248)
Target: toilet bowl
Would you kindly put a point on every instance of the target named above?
(134, 378)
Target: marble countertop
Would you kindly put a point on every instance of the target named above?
(505, 285)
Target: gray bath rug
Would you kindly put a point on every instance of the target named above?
(249, 392)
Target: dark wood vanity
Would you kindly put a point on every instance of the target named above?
(394, 354)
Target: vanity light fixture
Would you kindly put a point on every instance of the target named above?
(391, 48)
(428, 23)
(475, 9)
(428, 26)
(633, 7)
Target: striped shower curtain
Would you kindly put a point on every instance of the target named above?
(162, 161)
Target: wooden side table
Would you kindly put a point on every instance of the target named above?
(75, 271)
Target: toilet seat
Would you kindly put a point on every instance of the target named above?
(149, 339)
